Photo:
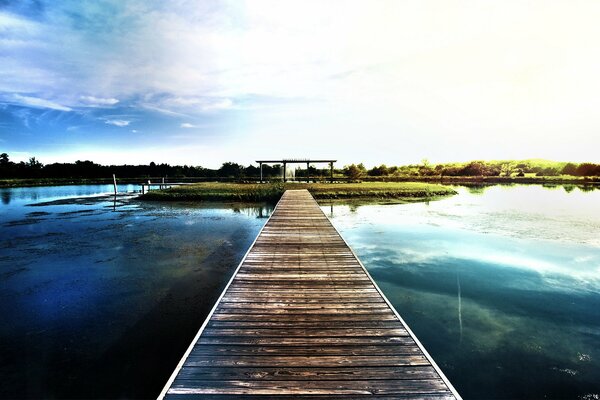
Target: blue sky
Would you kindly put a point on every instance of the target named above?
(203, 82)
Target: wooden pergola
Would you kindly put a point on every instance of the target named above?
(296, 161)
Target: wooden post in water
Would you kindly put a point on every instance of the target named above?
(115, 183)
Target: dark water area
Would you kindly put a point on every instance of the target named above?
(101, 296)
(501, 284)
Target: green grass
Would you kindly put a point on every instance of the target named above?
(400, 191)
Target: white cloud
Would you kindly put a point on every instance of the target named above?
(117, 122)
(39, 103)
(98, 101)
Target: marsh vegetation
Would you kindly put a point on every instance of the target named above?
(400, 191)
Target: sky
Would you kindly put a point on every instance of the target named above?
(204, 82)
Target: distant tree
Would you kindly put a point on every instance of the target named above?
(425, 168)
(34, 164)
(549, 171)
(474, 168)
(252, 170)
(362, 168)
(382, 170)
(506, 169)
(353, 172)
(492, 170)
(6, 167)
(449, 171)
(587, 169)
(4, 161)
(523, 167)
(230, 170)
(569, 169)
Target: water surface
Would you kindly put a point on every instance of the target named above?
(501, 284)
(101, 295)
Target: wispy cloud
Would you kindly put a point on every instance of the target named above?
(187, 125)
(98, 101)
(39, 103)
(117, 122)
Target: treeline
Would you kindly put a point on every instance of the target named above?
(34, 169)
(539, 168)
(89, 170)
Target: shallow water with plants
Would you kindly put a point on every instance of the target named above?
(500, 283)
(101, 295)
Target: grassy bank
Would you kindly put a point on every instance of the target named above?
(398, 191)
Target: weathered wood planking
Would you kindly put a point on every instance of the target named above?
(301, 317)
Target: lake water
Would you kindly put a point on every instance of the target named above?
(501, 284)
(101, 296)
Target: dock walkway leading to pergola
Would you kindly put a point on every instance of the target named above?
(301, 317)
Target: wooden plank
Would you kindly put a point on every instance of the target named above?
(307, 373)
(396, 396)
(264, 350)
(291, 341)
(301, 318)
(336, 388)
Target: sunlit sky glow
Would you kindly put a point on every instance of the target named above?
(203, 82)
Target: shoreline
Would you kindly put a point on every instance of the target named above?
(442, 180)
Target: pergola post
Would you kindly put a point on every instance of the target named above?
(285, 162)
(261, 178)
(307, 174)
(331, 171)
(284, 172)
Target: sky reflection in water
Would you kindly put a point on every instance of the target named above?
(501, 284)
(100, 298)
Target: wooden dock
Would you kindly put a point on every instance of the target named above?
(302, 318)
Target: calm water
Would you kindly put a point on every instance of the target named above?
(501, 284)
(101, 297)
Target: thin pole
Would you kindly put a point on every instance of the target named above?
(261, 179)
(115, 183)
(163, 183)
